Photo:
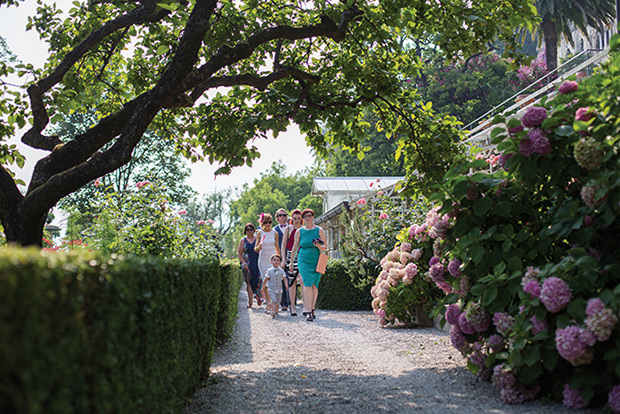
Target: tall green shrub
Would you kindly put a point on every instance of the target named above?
(338, 291)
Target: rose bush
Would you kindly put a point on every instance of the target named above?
(528, 255)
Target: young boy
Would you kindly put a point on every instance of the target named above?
(273, 280)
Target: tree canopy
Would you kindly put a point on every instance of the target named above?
(228, 72)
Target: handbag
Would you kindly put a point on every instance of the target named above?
(321, 264)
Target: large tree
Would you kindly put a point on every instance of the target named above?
(559, 17)
(228, 72)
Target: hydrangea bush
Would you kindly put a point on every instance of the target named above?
(528, 257)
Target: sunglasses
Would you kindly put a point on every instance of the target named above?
(282, 215)
(266, 222)
(249, 229)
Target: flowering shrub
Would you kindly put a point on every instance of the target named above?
(144, 223)
(534, 297)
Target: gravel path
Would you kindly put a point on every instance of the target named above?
(344, 362)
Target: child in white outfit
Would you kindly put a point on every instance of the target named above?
(273, 280)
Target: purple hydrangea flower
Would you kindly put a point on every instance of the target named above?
(464, 285)
(567, 87)
(466, 326)
(454, 267)
(496, 342)
(458, 339)
(538, 326)
(526, 148)
(503, 322)
(452, 314)
(531, 273)
(434, 260)
(533, 288)
(555, 294)
(516, 129)
(436, 272)
(594, 306)
(614, 399)
(478, 317)
(534, 116)
(572, 398)
(572, 344)
(539, 141)
(588, 221)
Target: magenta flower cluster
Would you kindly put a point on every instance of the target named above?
(584, 114)
(534, 116)
(452, 314)
(538, 326)
(568, 87)
(572, 398)
(536, 143)
(573, 342)
(555, 294)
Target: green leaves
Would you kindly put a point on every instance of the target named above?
(482, 205)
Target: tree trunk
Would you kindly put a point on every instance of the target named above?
(25, 231)
(550, 35)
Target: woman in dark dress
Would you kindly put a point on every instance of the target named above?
(249, 264)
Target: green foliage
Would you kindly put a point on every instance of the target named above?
(468, 89)
(339, 292)
(232, 280)
(84, 332)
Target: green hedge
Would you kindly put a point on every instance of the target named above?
(231, 284)
(337, 291)
(85, 333)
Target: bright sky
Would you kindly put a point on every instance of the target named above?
(290, 147)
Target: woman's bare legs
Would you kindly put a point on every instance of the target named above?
(315, 294)
(250, 293)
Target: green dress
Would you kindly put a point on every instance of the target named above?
(308, 256)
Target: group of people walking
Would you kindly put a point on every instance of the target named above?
(275, 259)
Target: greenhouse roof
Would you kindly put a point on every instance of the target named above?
(322, 185)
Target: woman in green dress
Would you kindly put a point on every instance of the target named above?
(309, 242)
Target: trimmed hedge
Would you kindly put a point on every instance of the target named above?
(337, 291)
(86, 333)
(229, 300)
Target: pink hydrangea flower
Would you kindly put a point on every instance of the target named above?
(533, 288)
(383, 216)
(555, 294)
(380, 192)
(584, 114)
(405, 247)
(381, 313)
(572, 344)
(411, 270)
(572, 398)
(361, 201)
(594, 306)
(567, 87)
(478, 317)
(209, 221)
(534, 116)
(201, 222)
(182, 212)
(510, 390)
